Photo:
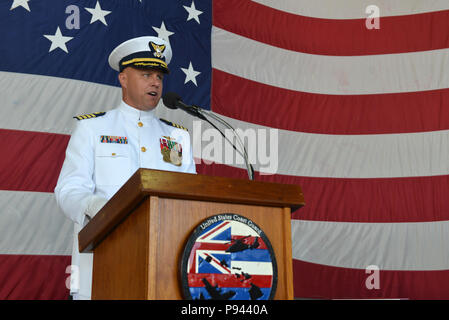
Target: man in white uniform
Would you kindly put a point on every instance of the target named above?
(106, 148)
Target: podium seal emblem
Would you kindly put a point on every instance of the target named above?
(228, 257)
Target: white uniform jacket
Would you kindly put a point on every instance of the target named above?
(102, 154)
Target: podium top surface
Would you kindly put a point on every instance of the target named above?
(221, 189)
(166, 184)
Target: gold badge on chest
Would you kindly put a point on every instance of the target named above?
(171, 150)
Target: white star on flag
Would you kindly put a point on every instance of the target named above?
(162, 32)
(58, 41)
(193, 12)
(190, 74)
(98, 14)
(23, 3)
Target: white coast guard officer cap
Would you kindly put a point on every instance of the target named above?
(141, 52)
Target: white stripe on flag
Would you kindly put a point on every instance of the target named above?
(339, 156)
(390, 246)
(354, 9)
(371, 74)
(47, 104)
(31, 223)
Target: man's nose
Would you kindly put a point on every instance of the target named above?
(155, 81)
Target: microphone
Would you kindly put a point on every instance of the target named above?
(173, 101)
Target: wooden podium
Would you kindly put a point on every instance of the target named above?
(138, 237)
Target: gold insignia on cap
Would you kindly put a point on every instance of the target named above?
(158, 49)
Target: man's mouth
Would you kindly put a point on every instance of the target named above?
(152, 93)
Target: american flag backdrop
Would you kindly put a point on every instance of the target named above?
(361, 106)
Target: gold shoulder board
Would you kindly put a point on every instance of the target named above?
(90, 115)
(173, 124)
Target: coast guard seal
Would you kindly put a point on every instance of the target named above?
(228, 257)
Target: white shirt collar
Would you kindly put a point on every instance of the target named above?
(135, 113)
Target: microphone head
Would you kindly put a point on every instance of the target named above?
(170, 100)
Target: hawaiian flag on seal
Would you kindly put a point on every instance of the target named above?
(229, 260)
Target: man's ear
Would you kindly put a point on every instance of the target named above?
(122, 78)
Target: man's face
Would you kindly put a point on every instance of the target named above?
(141, 88)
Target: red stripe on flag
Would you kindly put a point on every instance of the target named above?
(339, 37)
(229, 280)
(328, 114)
(328, 282)
(411, 199)
(32, 277)
(31, 161)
